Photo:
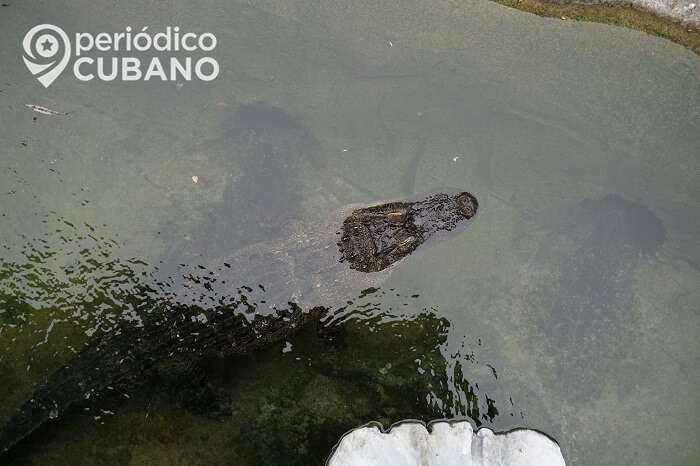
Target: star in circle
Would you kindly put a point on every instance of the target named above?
(46, 45)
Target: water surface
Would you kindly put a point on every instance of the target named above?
(569, 305)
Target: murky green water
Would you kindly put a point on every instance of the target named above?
(558, 309)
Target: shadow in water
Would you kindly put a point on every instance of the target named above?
(271, 151)
(585, 306)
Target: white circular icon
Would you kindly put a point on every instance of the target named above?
(46, 45)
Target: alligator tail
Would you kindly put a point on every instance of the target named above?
(86, 376)
(48, 402)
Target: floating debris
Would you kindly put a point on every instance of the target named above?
(195, 178)
(44, 110)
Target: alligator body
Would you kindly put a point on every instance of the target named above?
(253, 297)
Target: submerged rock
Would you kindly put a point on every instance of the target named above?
(678, 21)
(445, 443)
(580, 304)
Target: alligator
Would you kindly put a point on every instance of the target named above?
(282, 286)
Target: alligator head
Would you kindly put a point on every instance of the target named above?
(376, 237)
